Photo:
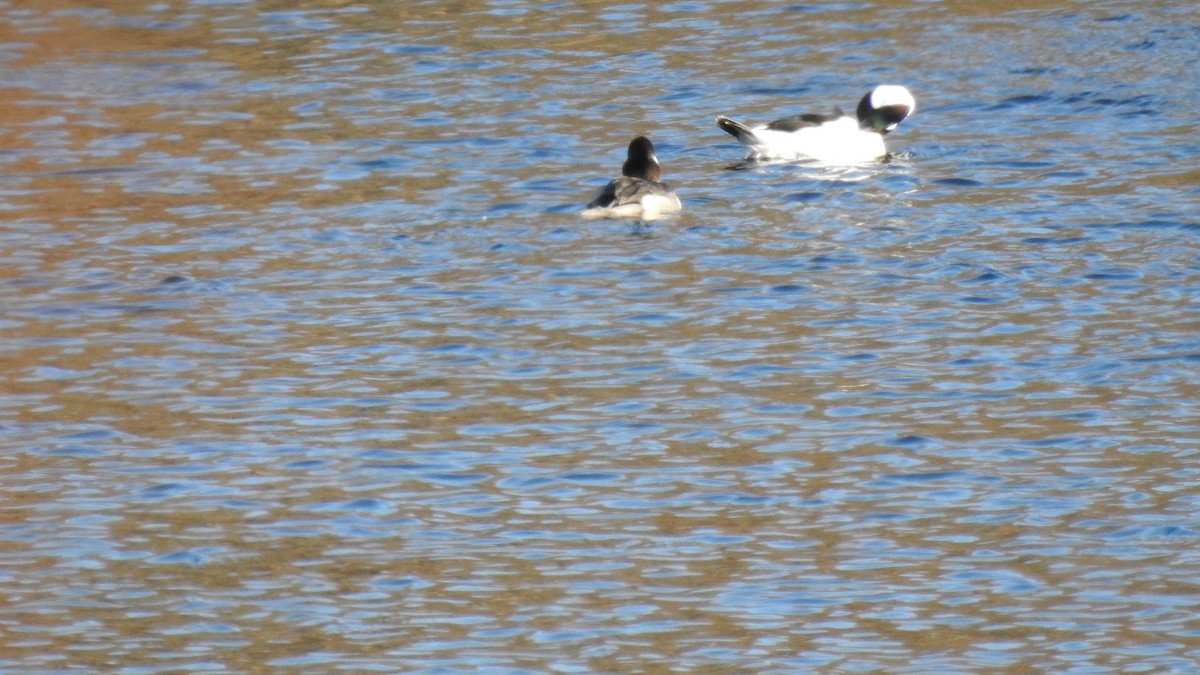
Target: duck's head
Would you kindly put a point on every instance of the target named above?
(884, 107)
(641, 162)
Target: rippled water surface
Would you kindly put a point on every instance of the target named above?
(310, 365)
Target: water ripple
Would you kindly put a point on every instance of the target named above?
(309, 362)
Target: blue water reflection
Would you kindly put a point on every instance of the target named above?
(309, 361)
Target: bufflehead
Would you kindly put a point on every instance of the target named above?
(638, 193)
(831, 139)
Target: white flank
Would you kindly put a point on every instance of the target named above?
(840, 141)
(650, 207)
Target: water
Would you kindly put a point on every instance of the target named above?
(309, 364)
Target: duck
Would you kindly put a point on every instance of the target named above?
(838, 139)
(638, 192)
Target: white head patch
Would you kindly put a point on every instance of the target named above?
(892, 94)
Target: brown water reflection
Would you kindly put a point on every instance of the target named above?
(308, 364)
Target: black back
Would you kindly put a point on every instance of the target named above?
(798, 122)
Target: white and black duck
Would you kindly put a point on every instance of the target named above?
(639, 191)
(832, 139)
